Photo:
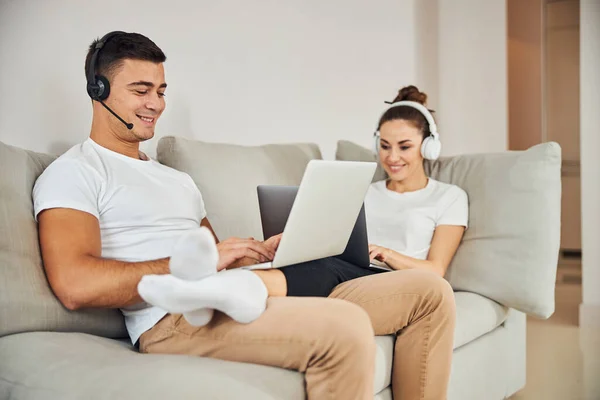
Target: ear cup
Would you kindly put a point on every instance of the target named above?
(99, 90)
(431, 147)
(97, 86)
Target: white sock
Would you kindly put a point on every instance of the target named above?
(199, 317)
(241, 294)
(195, 256)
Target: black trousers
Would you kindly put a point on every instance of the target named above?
(318, 278)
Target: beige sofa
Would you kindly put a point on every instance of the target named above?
(505, 267)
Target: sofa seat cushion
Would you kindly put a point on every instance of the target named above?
(227, 176)
(77, 366)
(476, 316)
(80, 366)
(384, 356)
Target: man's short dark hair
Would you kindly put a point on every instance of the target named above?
(120, 47)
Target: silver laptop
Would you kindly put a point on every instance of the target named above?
(323, 212)
(275, 203)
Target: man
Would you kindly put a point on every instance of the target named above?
(108, 216)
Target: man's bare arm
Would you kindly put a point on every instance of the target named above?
(71, 249)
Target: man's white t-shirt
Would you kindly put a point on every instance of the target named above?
(405, 222)
(142, 207)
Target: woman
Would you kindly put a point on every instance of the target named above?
(413, 221)
(415, 225)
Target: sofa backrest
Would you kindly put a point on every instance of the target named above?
(349, 151)
(227, 176)
(26, 300)
(510, 251)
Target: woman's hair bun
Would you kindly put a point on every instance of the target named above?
(411, 93)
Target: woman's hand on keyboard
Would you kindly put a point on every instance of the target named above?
(378, 253)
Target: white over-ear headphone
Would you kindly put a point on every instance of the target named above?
(431, 146)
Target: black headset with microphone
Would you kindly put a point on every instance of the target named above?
(98, 87)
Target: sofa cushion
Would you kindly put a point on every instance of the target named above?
(476, 316)
(384, 356)
(493, 365)
(510, 251)
(76, 366)
(349, 151)
(79, 366)
(26, 300)
(227, 176)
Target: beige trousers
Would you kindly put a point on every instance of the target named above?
(331, 340)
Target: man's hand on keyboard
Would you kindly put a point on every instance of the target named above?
(272, 243)
(236, 252)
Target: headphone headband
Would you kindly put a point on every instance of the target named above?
(431, 146)
(91, 73)
(421, 108)
(98, 86)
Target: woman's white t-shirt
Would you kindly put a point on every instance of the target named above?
(405, 222)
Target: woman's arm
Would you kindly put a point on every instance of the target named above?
(446, 240)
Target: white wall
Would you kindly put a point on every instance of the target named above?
(462, 61)
(265, 71)
(590, 162)
(242, 72)
(473, 75)
(589, 313)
